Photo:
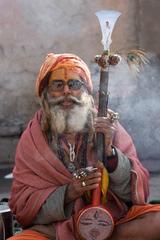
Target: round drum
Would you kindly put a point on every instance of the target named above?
(95, 223)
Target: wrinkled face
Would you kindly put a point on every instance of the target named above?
(66, 82)
(69, 102)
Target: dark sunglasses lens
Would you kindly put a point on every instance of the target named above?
(57, 85)
(75, 84)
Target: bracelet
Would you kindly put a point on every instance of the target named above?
(111, 161)
(114, 153)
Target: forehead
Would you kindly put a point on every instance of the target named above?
(65, 74)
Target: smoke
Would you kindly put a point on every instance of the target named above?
(136, 99)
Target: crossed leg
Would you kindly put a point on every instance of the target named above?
(144, 227)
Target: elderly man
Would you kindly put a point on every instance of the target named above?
(46, 193)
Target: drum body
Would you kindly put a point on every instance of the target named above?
(94, 223)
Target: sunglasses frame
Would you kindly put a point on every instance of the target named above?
(79, 85)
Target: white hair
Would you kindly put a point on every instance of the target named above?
(72, 120)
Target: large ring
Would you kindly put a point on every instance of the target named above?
(83, 184)
(114, 116)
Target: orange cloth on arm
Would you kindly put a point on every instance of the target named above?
(28, 235)
(138, 210)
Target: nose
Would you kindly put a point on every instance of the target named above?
(66, 89)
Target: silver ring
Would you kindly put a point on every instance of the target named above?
(83, 174)
(114, 117)
(83, 184)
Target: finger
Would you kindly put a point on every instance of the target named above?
(100, 165)
(103, 119)
(113, 117)
(79, 183)
(103, 123)
(92, 175)
(84, 186)
(106, 130)
(90, 187)
(93, 181)
(107, 122)
(104, 126)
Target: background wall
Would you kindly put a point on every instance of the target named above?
(29, 29)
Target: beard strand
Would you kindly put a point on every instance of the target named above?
(73, 120)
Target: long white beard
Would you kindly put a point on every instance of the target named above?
(73, 120)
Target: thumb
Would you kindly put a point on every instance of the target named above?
(100, 165)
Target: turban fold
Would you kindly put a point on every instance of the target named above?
(66, 60)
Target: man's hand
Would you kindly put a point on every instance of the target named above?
(80, 185)
(107, 126)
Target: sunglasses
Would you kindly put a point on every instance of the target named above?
(58, 85)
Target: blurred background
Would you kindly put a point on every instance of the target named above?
(29, 29)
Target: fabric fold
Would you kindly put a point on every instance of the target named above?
(38, 173)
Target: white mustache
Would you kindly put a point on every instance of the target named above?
(59, 100)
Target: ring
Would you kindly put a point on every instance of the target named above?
(75, 175)
(83, 174)
(83, 184)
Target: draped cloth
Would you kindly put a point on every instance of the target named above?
(133, 213)
(28, 235)
(138, 210)
(38, 173)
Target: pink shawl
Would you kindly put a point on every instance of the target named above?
(38, 173)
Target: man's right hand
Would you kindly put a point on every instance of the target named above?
(80, 185)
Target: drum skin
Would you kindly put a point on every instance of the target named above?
(94, 223)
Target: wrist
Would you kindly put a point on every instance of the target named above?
(70, 195)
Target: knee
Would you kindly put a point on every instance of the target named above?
(154, 220)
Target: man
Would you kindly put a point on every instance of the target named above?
(51, 184)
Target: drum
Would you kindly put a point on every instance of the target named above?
(94, 222)
(6, 228)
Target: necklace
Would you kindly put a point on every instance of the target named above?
(72, 153)
(76, 152)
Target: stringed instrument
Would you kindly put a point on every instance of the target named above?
(94, 222)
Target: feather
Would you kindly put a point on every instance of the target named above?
(136, 59)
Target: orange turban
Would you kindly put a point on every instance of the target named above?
(55, 61)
